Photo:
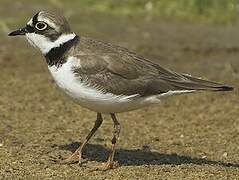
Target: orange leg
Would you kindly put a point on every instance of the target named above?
(110, 162)
(77, 155)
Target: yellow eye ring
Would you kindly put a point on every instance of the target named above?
(41, 26)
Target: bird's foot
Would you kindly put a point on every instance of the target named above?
(106, 166)
(74, 158)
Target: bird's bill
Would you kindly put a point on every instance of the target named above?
(18, 32)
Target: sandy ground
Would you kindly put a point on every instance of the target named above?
(192, 136)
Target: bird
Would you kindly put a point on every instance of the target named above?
(102, 77)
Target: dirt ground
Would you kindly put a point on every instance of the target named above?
(192, 136)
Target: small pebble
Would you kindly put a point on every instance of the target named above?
(224, 154)
(1, 145)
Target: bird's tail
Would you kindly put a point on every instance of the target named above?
(192, 83)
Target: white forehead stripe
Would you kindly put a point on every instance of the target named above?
(48, 22)
(45, 44)
(30, 22)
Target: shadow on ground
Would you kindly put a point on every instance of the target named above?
(140, 157)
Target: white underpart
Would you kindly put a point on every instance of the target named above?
(45, 44)
(170, 93)
(91, 97)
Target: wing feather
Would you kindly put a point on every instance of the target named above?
(116, 70)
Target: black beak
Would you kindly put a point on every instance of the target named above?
(21, 31)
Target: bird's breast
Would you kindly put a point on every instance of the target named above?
(87, 95)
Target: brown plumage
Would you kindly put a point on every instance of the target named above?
(56, 18)
(117, 70)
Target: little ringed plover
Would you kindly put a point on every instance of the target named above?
(103, 77)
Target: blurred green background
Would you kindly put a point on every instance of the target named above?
(203, 11)
(217, 11)
(222, 12)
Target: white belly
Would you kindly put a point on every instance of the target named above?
(90, 97)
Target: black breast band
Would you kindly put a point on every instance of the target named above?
(56, 56)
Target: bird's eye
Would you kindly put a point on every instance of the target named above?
(41, 26)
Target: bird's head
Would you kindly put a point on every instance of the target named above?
(46, 30)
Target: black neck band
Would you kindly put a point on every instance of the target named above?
(56, 55)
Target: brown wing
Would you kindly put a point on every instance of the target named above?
(119, 71)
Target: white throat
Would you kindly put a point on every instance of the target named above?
(45, 44)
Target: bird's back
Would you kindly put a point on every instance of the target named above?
(137, 75)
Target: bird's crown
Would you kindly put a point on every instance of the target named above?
(46, 22)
